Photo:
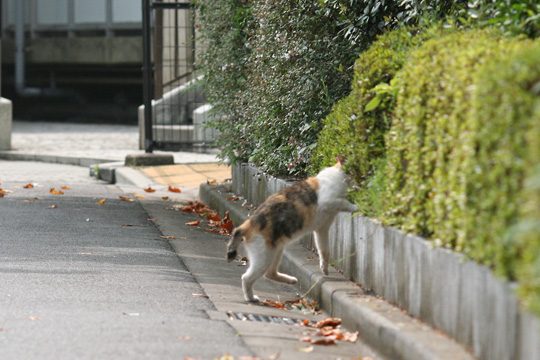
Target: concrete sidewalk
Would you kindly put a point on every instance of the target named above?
(81, 144)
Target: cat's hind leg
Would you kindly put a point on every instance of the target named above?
(273, 274)
(323, 247)
(260, 259)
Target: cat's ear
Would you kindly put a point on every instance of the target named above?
(340, 161)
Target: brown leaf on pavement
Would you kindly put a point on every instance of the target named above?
(29, 186)
(226, 357)
(211, 182)
(2, 193)
(126, 198)
(168, 237)
(227, 224)
(164, 198)
(149, 189)
(213, 216)
(54, 191)
(65, 187)
(174, 189)
(306, 349)
(303, 304)
(323, 341)
(193, 223)
(332, 322)
(273, 303)
(101, 201)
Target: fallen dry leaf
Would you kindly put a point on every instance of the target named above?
(168, 237)
(332, 322)
(306, 349)
(323, 341)
(226, 357)
(227, 224)
(65, 187)
(174, 189)
(211, 181)
(2, 193)
(101, 201)
(274, 304)
(303, 305)
(149, 189)
(319, 341)
(29, 186)
(193, 223)
(164, 198)
(199, 295)
(126, 198)
(54, 191)
(214, 217)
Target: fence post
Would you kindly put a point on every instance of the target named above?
(147, 76)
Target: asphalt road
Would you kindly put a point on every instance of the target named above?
(79, 280)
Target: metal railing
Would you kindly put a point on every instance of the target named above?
(172, 90)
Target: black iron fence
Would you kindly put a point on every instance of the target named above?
(174, 114)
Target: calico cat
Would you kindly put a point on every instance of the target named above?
(306, 206)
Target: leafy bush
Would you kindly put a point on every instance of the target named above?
(501, 120)
(297, 70)
(224, 28)
(361, 20)
(357, 124)
(511, 16)
(504, 186)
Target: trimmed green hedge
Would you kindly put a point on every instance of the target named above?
(358, 123)
(464, 137)
(504, 189)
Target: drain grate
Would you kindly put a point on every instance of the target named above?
(263, 318)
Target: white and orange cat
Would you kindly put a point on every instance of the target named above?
(304, 207)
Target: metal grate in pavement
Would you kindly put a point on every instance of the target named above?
(263, 318)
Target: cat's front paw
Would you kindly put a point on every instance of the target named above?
(254, 299)
(291, 280)
(324, 269)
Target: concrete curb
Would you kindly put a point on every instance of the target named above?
(383, 326)
(53, 159)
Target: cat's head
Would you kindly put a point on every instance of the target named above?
(337, 173)
(340, 161)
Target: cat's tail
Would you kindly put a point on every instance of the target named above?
(236, 238)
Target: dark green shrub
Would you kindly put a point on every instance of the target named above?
(511, 16)
(297, 69)
(224, 28)
(361, 21)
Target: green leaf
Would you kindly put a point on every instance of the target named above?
(373, 104)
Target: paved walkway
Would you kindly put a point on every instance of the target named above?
(188, 175)
(85, 141)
